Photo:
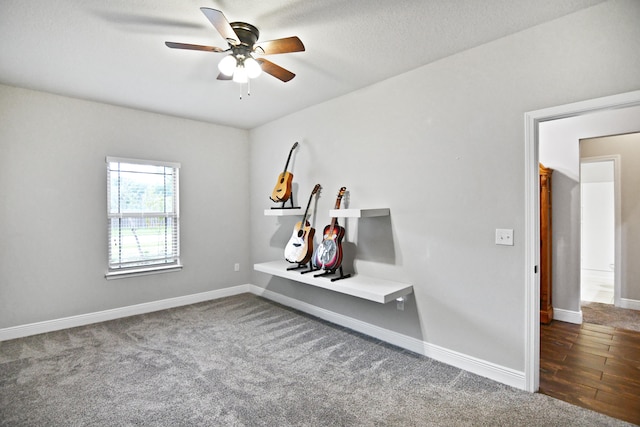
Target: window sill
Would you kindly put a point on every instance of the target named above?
(112, 275)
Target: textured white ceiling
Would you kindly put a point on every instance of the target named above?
(113, 50)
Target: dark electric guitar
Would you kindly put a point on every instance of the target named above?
(300, 246)
(282, 190)
(328, 255)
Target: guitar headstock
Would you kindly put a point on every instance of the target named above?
(294, 146)
(315, 189)
(340, 194)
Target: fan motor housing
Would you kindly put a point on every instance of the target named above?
(247, 33)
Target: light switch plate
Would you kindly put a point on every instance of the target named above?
(504, 236)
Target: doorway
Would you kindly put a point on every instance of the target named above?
(596, 109)
(597, 230)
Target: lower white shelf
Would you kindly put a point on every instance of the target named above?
(370, 288)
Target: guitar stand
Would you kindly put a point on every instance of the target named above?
(287, 207)
(310, 270)
(300, 266)
(330, 272)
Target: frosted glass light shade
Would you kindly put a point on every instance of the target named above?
(228, 65)
(240, 75)
(253, 68)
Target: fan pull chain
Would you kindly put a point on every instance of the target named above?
(248, 88)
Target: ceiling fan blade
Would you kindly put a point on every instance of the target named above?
(286, 45)
(275, 70)
(219, 21)
(175, 45)
(224, 77)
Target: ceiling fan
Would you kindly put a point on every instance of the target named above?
(240, 65)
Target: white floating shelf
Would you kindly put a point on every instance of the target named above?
(358, 213)
(369, 288)
(284, 212)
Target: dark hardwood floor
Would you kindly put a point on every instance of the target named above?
(593, 366)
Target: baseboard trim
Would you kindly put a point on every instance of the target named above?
(116, 313)
(477, 366)
(567, 316)
(633, 304)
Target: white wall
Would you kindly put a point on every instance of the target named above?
(53, 250)
(442, 147)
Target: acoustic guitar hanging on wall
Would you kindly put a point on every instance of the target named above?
(282, 191)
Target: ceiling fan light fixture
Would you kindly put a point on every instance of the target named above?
(241, 38)
(227, 65)
(240, 74)
(253, 68)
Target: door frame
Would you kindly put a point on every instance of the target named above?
(532, 216)
(617, 218)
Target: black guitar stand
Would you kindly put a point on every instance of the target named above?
(301, 266)
(331, 272)
(287, 207)
(310, 270)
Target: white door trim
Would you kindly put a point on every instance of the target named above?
(532, 214)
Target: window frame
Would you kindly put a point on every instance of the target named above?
(144, 267)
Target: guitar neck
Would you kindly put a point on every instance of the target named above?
(334, 220)
(332, 226)
(306, 211)
(286, 165)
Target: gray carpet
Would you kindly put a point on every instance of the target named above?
(609, 315)
(245, 361)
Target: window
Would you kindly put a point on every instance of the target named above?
(143, 216)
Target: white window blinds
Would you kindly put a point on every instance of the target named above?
(143, 215)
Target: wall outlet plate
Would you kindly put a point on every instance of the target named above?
(504, 236)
